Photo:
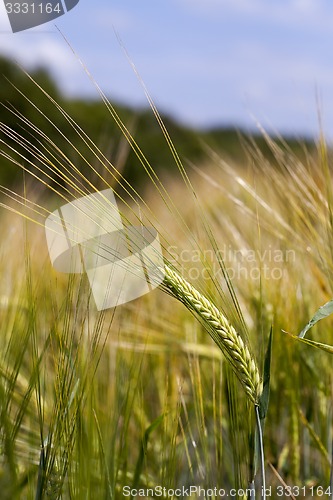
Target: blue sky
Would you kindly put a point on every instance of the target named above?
(206, 62)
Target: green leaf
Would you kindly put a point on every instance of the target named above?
(143, 449)
(312, 343)
(322, 313)
(264, 398)
(262, 410)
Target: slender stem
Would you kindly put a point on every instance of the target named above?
(262, 457)
(41, 474)
(252, 491)
(331, 474)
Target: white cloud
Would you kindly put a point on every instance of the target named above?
(48, 50)
(4, 21)
(40, 46)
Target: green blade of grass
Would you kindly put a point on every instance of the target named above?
(322, 313)
(318, 345)
(264, 398)
(143, 449)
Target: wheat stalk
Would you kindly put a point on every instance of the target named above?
(221, 331)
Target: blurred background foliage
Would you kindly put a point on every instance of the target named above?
(18, 93)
